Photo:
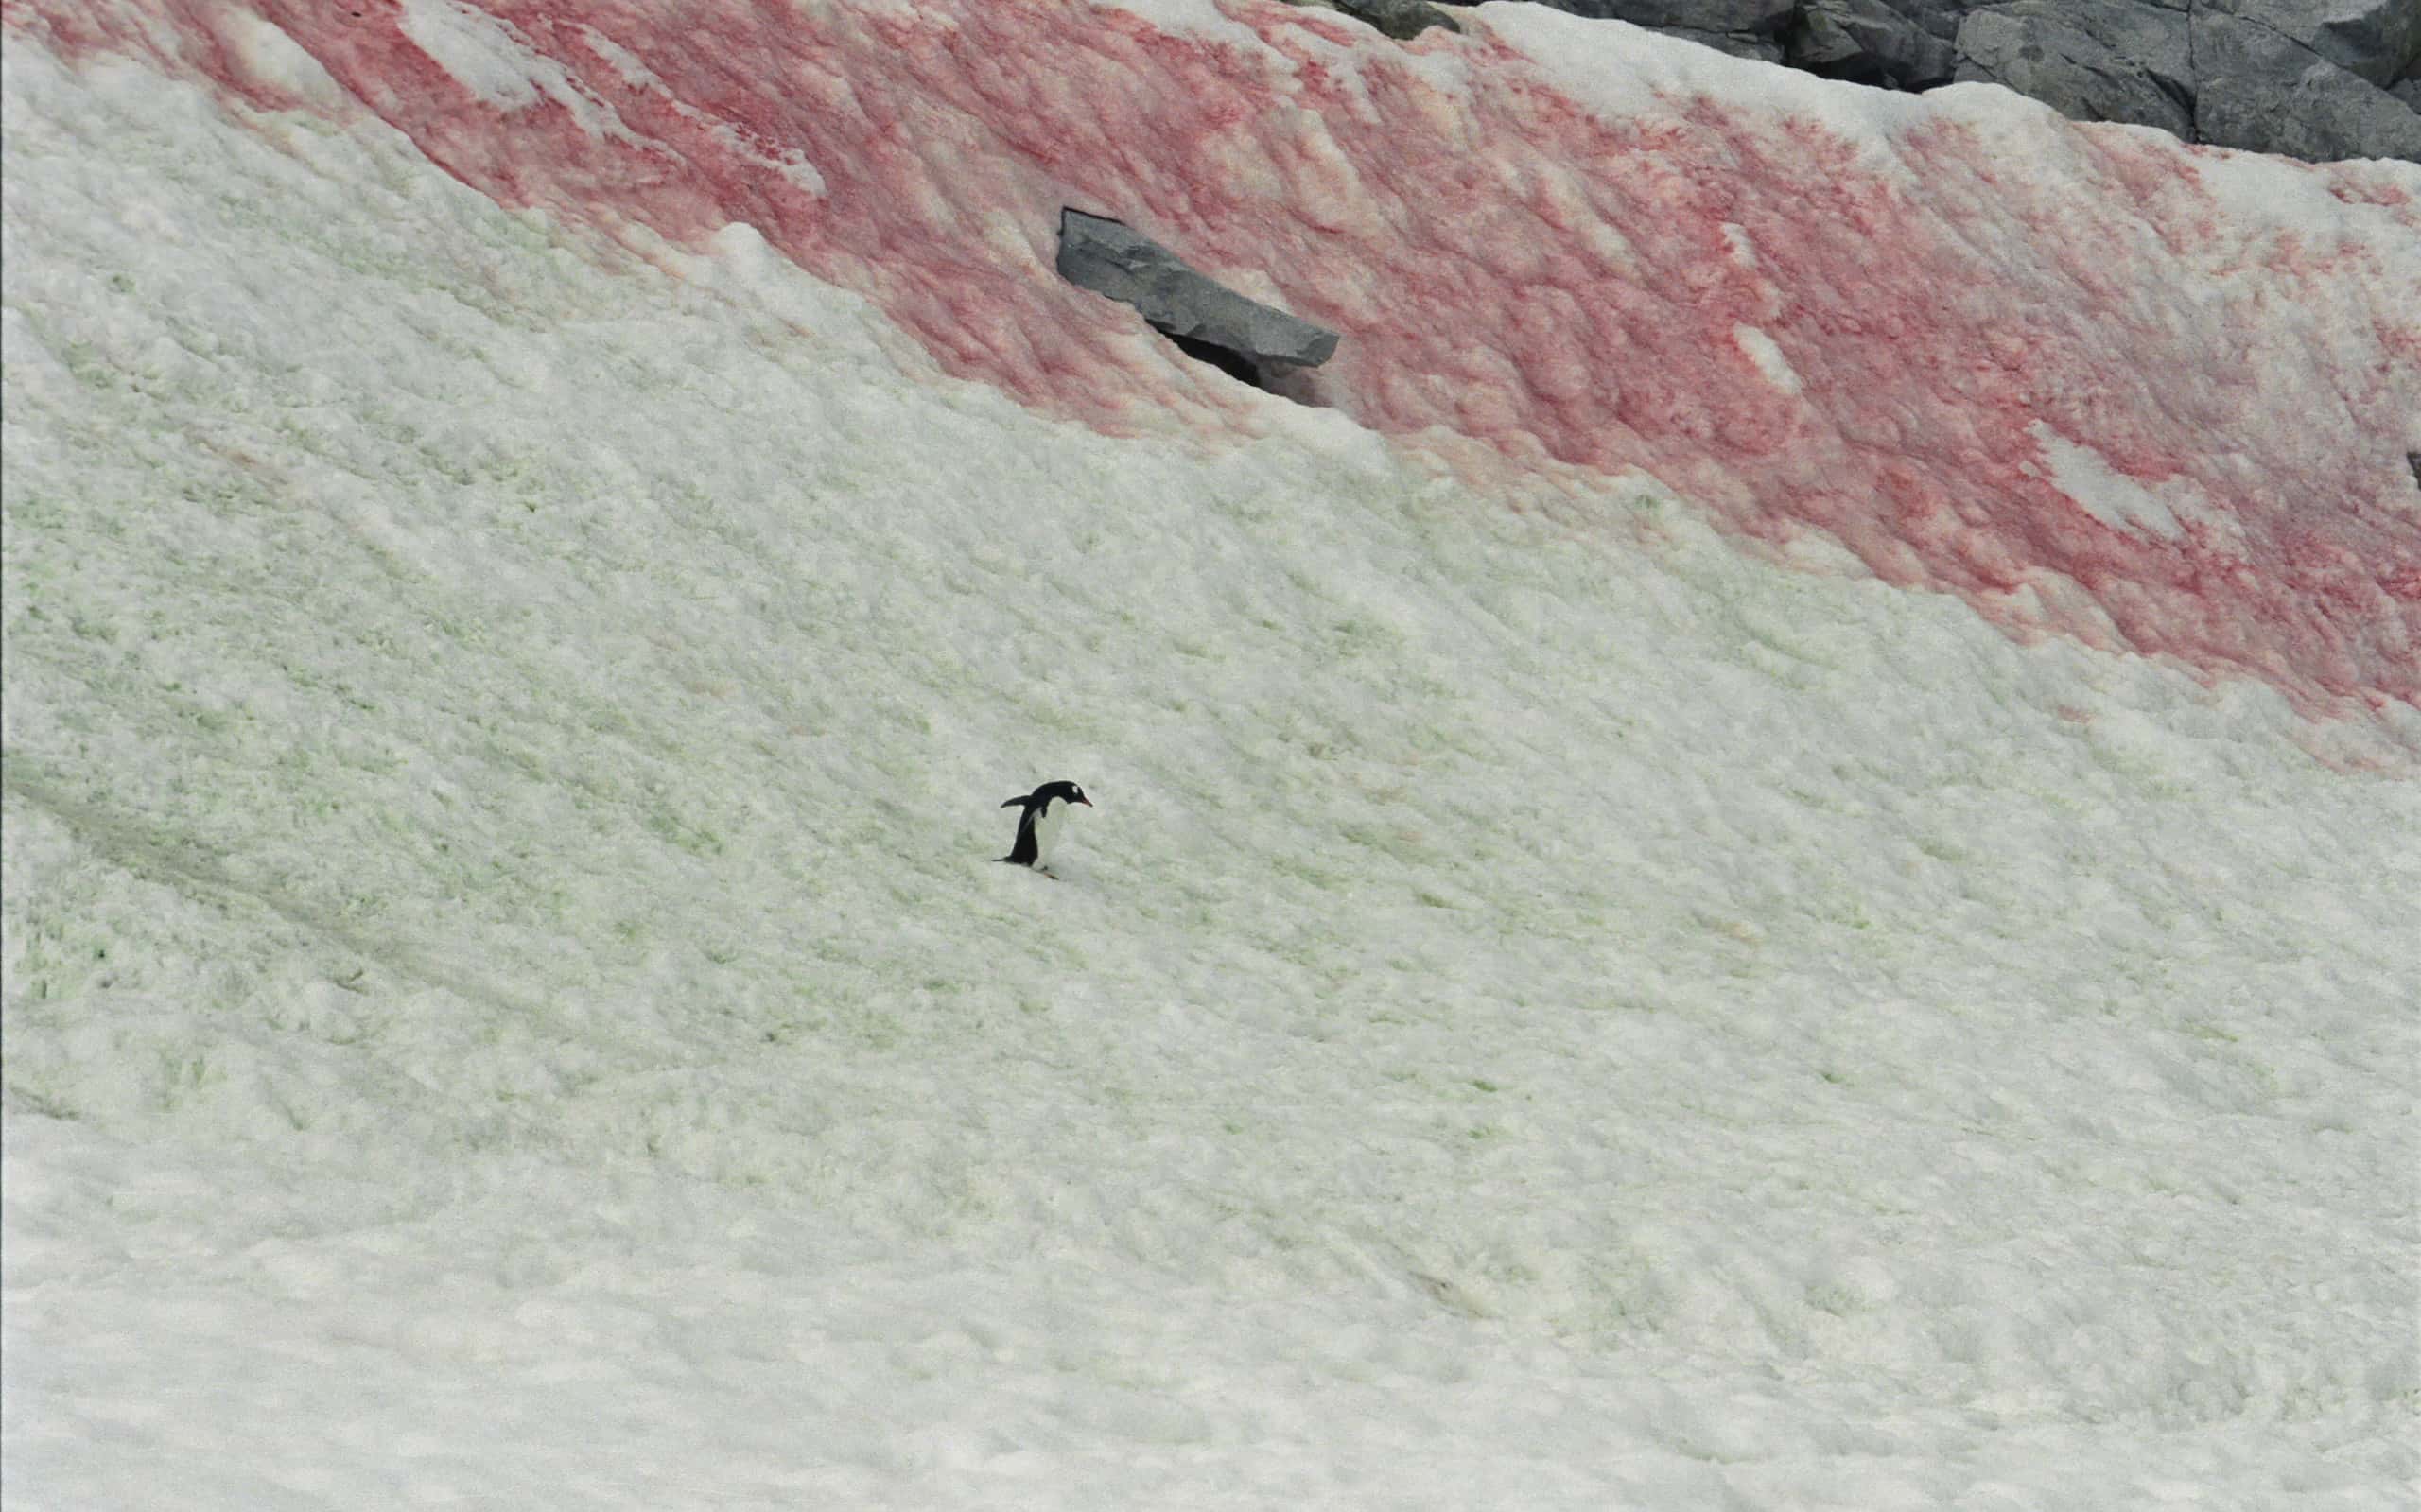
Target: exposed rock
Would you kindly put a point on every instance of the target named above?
(1401, 19)
(2314, 78)
(2260, 88)
(2373, 39)
(1867, 41)
(2089, 60)
(1739, 43)
(1203, 317)
(1762, 18)
(2156, 38)
(1940, 18)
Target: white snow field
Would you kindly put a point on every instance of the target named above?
(508, 1003)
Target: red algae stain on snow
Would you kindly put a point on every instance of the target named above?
(1919, 365)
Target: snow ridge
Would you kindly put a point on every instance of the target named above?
(1529, 235)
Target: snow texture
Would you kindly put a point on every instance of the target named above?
(1523, 234)
(1650, 936)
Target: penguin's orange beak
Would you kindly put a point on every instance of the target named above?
(1086, 802)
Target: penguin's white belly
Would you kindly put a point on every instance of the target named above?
(1047, 825)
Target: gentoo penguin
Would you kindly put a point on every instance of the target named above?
(1046, 812)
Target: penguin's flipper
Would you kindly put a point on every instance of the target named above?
(1018, 801)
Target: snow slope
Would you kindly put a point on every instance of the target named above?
(526, 575)
(1840, 315)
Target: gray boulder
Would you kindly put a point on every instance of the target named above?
(1940, 18)
(2259, 88)
(2375, 40)
(1401, 19)
(2321, 79)
(2089, 60)
(1205, 317)
(2155, 38)
(1867, 41)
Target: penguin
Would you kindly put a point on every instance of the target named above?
(1038, 826)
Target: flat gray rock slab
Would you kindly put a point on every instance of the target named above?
(2150, 38)
(1113, 259)
(2263, 90)
(2040, 51)
(2376, 41)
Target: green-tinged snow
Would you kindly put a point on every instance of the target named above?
(505, 982)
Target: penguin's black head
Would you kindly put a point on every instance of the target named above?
(1064, 791)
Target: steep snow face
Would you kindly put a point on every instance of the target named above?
(1813, 310)
(507, 1001)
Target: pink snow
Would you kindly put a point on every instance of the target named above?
(1900, 328)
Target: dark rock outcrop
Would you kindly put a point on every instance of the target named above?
(2256, 87)
(2313, 78)
(2375, 40)
(2089, 60)
(1940, 18)
(1868, 42)
(1401, 19)
(1206, 318)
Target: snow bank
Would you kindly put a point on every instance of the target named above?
(1571, 241)
(503, 985)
